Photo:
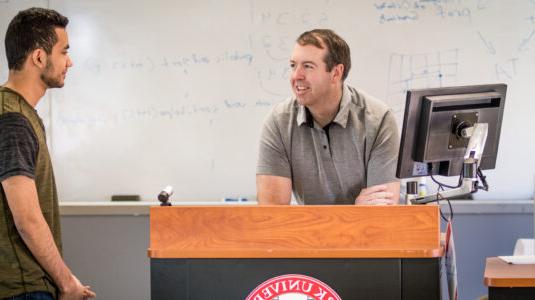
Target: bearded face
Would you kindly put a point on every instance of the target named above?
(58, 61)
(51, 77)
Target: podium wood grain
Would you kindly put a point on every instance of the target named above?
(295, 232)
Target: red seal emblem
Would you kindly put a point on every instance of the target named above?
(293, 287)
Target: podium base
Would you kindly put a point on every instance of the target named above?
(355, 278)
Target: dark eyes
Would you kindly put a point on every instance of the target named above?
(306, 66)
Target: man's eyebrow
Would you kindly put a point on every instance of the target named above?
(304, 62)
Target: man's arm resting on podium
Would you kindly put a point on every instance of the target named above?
(273, 190)
(381, 194)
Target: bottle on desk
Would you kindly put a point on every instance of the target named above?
(422, 186)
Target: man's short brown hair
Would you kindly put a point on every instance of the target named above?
(31, 29)
(337, 49)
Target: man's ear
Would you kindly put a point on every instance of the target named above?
(38, 58)
(338, 72)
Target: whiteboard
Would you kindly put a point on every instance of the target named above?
(175, 92)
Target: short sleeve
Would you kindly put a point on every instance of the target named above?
(384, 154)
(272, 156)
(18, 146)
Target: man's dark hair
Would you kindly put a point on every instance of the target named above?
(31, 29)
(337, 49)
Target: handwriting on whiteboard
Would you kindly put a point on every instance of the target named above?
(421, 70)
(411, 11)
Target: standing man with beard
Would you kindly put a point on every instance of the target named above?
(31, 266)
(329, 143)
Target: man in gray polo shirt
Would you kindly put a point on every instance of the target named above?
(329, 143)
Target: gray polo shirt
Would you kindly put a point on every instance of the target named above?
(330, 166)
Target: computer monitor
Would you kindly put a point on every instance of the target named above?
(432, 142)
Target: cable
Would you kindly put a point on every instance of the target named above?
(483, 178)
(439, 198)
(451, 210)
(441, 188)
(461, 176)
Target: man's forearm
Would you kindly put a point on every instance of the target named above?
(273, 190)
(21, 195)
(38, 238)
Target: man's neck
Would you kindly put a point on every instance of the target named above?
(31, 89)
(326, 111)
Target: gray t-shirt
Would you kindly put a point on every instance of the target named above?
(331, 165)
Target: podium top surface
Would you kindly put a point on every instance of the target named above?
(295, 232)
(498, 273)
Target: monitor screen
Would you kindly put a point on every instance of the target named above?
(435, 120)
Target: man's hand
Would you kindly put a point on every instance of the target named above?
(76, 291)
(378, 195)
(88, 293)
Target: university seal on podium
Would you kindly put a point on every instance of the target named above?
(293, 287)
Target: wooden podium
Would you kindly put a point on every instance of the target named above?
(361, 252)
